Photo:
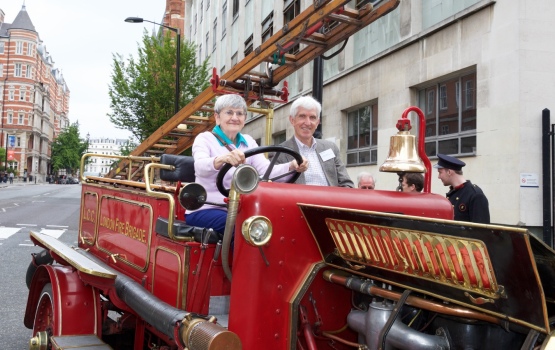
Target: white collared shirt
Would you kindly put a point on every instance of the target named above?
(314, 175)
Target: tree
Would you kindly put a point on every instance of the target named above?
(142, 91)
(128, 147)
(67, 149)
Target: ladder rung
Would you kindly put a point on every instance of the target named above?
(345, 19)
(165, 146)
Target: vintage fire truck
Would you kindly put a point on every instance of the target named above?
(309, 267)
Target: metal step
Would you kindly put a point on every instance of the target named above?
(78, 342)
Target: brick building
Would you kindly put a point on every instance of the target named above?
(34, 98)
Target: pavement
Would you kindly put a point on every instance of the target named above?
(20, 183)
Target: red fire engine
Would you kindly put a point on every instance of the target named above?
(310, 267)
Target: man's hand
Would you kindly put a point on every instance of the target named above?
(299, 168)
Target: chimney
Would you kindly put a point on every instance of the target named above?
(1, 17)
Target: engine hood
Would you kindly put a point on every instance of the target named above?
(502, 271)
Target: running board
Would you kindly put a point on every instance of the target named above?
(71, 256)
(78, 342)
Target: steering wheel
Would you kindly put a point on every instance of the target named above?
(266, 177)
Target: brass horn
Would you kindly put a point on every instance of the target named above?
(403, 156)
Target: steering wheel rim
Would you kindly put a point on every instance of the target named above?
(266, 177)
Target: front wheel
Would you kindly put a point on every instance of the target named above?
(45, 315)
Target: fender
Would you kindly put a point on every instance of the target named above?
(78, 313)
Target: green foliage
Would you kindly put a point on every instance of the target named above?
(142, 91)
(67, 150)
(128, 147)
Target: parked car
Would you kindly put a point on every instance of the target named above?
(72, 180)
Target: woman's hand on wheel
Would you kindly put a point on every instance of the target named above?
(233, 158)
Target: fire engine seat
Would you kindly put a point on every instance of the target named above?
(184, 172)
(184, 168)
(183, 231)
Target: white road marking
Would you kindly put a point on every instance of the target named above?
(6, 232)
(52, 233)
(26, 245)
(57, 226)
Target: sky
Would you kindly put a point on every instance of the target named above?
(81, 37)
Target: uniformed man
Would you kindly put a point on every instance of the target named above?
(468, 200)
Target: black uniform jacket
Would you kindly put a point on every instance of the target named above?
(469, 203)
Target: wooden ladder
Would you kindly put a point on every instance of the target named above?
(316, 30)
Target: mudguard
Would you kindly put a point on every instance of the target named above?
(77, 313)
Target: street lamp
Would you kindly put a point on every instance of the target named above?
(177, 66)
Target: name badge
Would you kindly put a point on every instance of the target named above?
(327, 155)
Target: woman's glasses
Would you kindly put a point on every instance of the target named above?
(230, 113)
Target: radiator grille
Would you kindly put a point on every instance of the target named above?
(464, 263)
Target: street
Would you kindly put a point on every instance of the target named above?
(50, 209)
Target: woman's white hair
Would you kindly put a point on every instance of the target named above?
(230, 101)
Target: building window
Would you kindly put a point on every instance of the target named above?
(200, 53)
(450, 125)
(442, 97)
(2, 47)
(30, 49)
(19, 47)
(19, 142)
(362, 138)
(195, 23)
(201, 6)
(207, 44)
(268, 27)
(234, 59)
(28, 70)
(279, 138)
(1, 69)
(207, 4)
(11, 94)
(292, 8)
(224, 19)
(214, 35)
(22, 93)
(235, 9)
(17, 72)
(20, 118)
(10, 118)
(248, 46)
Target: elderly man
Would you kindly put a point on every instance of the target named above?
(366, 181)
(324, 164)
(468, 200)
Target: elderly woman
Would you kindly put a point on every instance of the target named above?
(226, 144)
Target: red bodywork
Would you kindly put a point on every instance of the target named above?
(277, 297)
(265, 299)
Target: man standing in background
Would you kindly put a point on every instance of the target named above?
(468, 200)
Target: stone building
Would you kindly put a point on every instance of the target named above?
(100, 166)
(34, 98)
(481, 71)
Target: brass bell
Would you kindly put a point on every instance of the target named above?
(403, 156)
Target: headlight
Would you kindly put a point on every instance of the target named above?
(257, 230)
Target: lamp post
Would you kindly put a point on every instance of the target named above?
(177, 65)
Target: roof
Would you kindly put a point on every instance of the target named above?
(21, 21)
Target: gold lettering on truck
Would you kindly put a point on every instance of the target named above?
(123, 227)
